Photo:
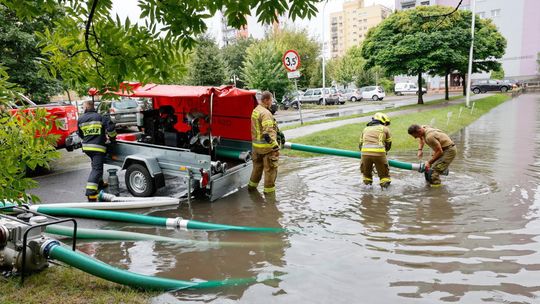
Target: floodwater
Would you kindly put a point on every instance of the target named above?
(474, 240)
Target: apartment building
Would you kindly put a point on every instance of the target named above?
(349, 27)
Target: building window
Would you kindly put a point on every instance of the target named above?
(424, 3)
(495, 12)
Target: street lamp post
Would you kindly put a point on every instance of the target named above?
(323, 63)
(469, 70)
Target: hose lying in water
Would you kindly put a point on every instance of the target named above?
(353, 154)
(116, 235)
(147, 219)
(53, 250)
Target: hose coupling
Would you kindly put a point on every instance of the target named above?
(46, 247)
(287, 145)
(173, 222)
(105, 197)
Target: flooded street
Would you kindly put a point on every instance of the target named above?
(474, 240)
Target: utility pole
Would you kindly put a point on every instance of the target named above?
(469, 70)
(323, 63)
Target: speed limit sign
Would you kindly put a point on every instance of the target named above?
(291, 60)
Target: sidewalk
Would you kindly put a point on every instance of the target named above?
(306, 130)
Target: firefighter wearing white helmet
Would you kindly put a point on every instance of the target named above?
(375, 142)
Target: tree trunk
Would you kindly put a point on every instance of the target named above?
(420, 93)
(464, 84)
(446, 97)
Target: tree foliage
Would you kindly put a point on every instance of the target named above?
(89, 48)
(263, 69)
(24, 143)
(234, 56)
(411, 42)
(206, 67)
(21, 55)
(308, 49)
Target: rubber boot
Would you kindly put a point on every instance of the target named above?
(427, 175)
(385, 185)
(92, 198)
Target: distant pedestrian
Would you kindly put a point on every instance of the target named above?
(444, 151)
(92, 129)
(264, 138)
(375, 142)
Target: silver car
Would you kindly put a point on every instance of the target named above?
(124, 112)
(331, 96)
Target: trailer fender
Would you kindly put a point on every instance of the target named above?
(151, 165)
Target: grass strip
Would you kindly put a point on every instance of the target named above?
(60, 284)
(316, 122)
(347, 136)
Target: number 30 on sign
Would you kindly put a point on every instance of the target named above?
(291, 60)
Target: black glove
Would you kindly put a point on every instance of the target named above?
(281, 138)
(267, 138)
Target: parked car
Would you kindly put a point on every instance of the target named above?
(372, 92)
(62, 117)
(123, 112)
(402, 88)
(316, 96)
(515, 84)
(291, 100)
(483, 86)
(352, 94)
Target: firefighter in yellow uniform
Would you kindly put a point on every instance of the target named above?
(265, 147)
(444, 151)
(375, 142)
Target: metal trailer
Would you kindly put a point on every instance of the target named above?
(147, 164)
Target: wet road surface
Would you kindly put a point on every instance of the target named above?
(474, 240)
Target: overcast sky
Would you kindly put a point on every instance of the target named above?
(129, 8)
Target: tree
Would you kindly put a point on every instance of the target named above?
(21, 55)
(411, 42)
(497, 74)
(89, 48)
(24, 144)
(234, 56)
(263, 69)
(350, 67)
(307, 48)
(207, 67)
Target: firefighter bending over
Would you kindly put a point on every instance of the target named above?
(264, 138)
(92, 128)
(375, 142)
(444, 151)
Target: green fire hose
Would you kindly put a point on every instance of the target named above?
(117, 235)
(149, 220)
(351, 154)
(53, 250)
(233, 154)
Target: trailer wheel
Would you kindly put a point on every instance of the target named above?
(139, 181)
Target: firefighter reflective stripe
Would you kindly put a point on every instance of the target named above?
(385, 180)
(268, 190)
(90, 147)
(91, 128)
(268, 123)
(255, 116)
(91, 186)
(373, 148)
(112, 133)
(263, 144)
(252, 184)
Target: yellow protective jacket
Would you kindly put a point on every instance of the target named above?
(263, 127)
(375, 140)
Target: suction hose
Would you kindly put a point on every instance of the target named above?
(147, 219)
(53, 250)
(116, 235)
(353, 154)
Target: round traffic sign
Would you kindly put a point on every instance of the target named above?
(291, 60)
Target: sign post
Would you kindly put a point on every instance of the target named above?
(291, 62)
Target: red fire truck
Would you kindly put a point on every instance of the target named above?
(62, 117)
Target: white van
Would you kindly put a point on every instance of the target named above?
(402, 88)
